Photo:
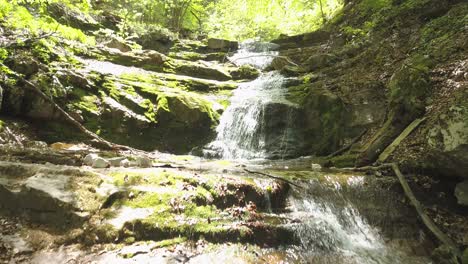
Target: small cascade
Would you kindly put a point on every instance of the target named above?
(330, 229)
(259, 123)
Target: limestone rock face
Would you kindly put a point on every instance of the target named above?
(48, 194)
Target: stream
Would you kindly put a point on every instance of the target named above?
(330, 226)
(247, 129)
(331, 217)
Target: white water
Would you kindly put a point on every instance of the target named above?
(331, 229)
(240, 133)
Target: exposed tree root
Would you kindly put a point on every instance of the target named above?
(444, 239)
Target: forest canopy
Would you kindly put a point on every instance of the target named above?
(231, 19)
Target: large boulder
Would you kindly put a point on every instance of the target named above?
(184, 111)
(319, 61)
(282, 129)
(448, 140)
(48, 194)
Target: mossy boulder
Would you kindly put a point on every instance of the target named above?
(185, 111)
(447, 140)
(244, 72)
(325, 118)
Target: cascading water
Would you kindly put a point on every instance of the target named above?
(244, 129)
(330, 228)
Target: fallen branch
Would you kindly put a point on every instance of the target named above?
(425, 218)
(348, 146)
(68, 118)
(274, 177)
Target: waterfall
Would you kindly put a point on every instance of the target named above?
(247, 128)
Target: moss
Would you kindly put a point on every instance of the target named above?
(298, 94)
(344, 161)
(85, 101)
(170, 242)
(441, 36)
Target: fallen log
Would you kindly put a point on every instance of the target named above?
(444, 239)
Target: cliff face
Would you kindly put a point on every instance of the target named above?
(378, 67)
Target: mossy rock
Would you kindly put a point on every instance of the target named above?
(325, 116)
(245, 72)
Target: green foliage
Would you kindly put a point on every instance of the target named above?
(18, 17)
(243, 19)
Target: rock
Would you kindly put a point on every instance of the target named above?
(151, 57)
(319, 61)
(36, 144)
(89, 159)
(447, 140)
(465, 256)
(109, 20)
(72, 17)
(119, 44)
(444, 255)
(245, 72)
(1, 97)
(41, 109)
(461, 192)
(279, 63)
(222, 44)
(156, 38)
(316, 167)
(144, 162)
(116, 162)
(179, 110)
(25, 64)
(208, 71)
(119, 113)
(100, 163)
(125, 163)
(77, 115)
(48, 193)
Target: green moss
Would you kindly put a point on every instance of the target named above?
(85, 101)
(170, 242)
(297, 94)
(440, 37)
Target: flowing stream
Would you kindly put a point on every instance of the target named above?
(246, 130)
(330, 227)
